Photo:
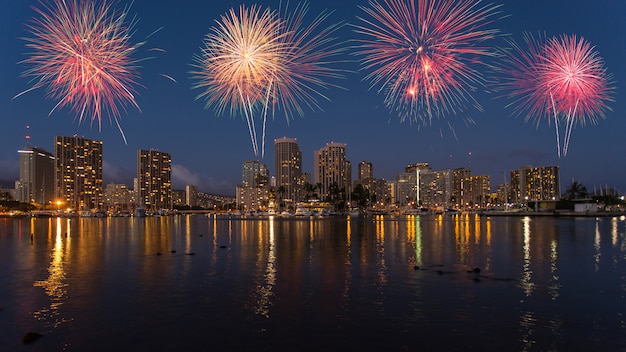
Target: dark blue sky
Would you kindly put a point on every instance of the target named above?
(208, 150)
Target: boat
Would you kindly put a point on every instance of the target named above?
(355, 213)
(302, 211)
(286, 214)
(140, 212)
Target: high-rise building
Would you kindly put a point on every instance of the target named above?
(535, 183)
(254, 174)
(366, 171)
(331, 167)
(191, 195)
(478, 190)
(37, 173)
(253, 192)
(460, 194)
(78, 167)
(118, 197)
(288, 168)
(154, 179)
(436, 188)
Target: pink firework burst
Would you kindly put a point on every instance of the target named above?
(82, 54)
(422, 54)
(577, 81)
(562, 78)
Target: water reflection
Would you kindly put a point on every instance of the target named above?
(333, 279)
(554, 281)
(597, 245)
(527, 273)
(265, 286)
(55, 285)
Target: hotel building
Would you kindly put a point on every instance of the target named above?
(37, 173)
(78, 167)
(253, 193)
(535, 183)
(331, 167)
(288, 168)
(154, 179)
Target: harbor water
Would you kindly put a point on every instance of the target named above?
(386, 283)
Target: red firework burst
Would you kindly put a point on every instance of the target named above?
(81, 53)
(422, 54)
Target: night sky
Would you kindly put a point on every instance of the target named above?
(208, 150)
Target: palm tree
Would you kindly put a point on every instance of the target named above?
(576, 191)
(319, 187)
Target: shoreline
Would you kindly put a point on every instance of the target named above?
(555, 213)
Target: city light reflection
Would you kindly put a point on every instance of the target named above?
(614, 232)
(597, 246)
(265, 289)
(54, 285)
(554, 256)
(527, 274)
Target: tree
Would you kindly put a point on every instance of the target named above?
(576, 191)
(360, 195)
(319, 187)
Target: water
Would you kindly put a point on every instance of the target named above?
(332, 284)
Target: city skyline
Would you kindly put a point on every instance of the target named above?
(198, 140)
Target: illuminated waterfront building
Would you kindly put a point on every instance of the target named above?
(477, 191)
(535, 183)
(288, 168)
(37, 174)
(78, 167)
(460, 197)
(253, 192)
(118, 197)
(254, 174)
(366, 170)
(436, 188)
(154, 179)
(406, 185)
(378, 189)
(191, 196)
(330, 167)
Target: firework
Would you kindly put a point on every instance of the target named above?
(82, 54)
(257, 61)
(562, 79)
(577, 81)
(238, 62)
(308, 63)
(422, 54)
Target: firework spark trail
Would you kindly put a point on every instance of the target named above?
(422, 53)
(261, 61)
(309, 63)
(237, 63)
(82, 54)
(578, 81)
(523, 82)
(561, 78)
